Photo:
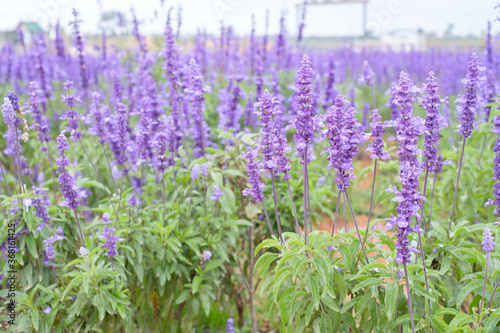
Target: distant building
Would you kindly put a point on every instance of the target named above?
(29, 29)
(404, 40)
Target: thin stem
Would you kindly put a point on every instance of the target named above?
(119, 201)
(79, 227)
(7, 184)
(345, 216)
(293, 208)
(484, 289)
(213, 225)
(429, 225)
(371, 199)
(304, 191)
(309, 201)
(356, 225)
(276, 208)
(55, 275)
(336, 212)
(456, 190)
(109, 165)
(408, 291)
(49, 157)
(425, 269)
(267, 218)
(250, 278)
(190, 200)
(493, 293)
(165, 198)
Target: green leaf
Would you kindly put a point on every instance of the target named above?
(329, 302)
(86, 282)
(466, 291)
(213, 264)
(196, 283)
(30, 242)
(391, 299)
(100, 302)
(34, 318)
(313, 283)
(368, 282)
(205, 303)
(182, 297)
(285, 303)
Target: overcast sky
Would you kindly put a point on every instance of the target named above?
(467, 16)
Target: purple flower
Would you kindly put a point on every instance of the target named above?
(40, 123)
(109, 235)
(304, 122)
(195, 91)
(119, 137)
(468, 103)
(133, 201)
(377, 145)
(41, 212)
(83, 252)
(68, 186)
(195, 172)
(98, 127)
(496, 171)
(488, 242)
(343, 137)
(433, 123)
(253, 169)
(59, 42)
(80, 45)
(250, 119)
(204, 169)
(216, 193)
(71, 114)
(207, 255)
(367, 76)
(267, 139)
(408, 129)
(47, 310)
(230, 325)
(49, 248)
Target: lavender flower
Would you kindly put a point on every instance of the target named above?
(119, 138)
(488, 242)
(41, 212)
(468, 103)
(433, 123)
(496, 171)
(71, 114)
(253, 169)
(59, 42)
(304, 121)
(68, 186)
(98, 127)
(216, 193)
(204, 169)
(367, 76)
(109, 235)
(83, 252)
(377, 145)
(80, 45)
(195, 172)
(49, 248)
(39, 121)
(230, 325)
(267, 138)
(47, 310)
(343, 137)
(409, 198)
(196, 89)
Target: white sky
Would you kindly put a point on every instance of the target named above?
(468, 16)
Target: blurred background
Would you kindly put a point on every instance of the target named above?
(395, 24)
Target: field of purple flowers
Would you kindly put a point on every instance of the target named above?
(188, 190)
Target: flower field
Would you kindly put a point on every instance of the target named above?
(247, 184)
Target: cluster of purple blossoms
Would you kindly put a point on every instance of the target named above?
(59, 42)
(408, 128)
(98, 127)
(266, 111)
(68, 186)
(41, 209)
(488, 242)
(496, 171)
(49, 248)
(9, 117)
(343, 137)
(71, 114)
(376, 147)
(196, 89)
(40, 123)
(80, 45)
(109, 235)
(230, 325)
(204, 169)
(205, 257)
(195, 172)
(253, 169)
(216, 193)
(468, 103)
(119, 137)
(304, 122)
(367, 76)
(433, 161)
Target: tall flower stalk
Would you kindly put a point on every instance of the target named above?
(343, 137)
(306, 124)
(408, 128)
(467, 106)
